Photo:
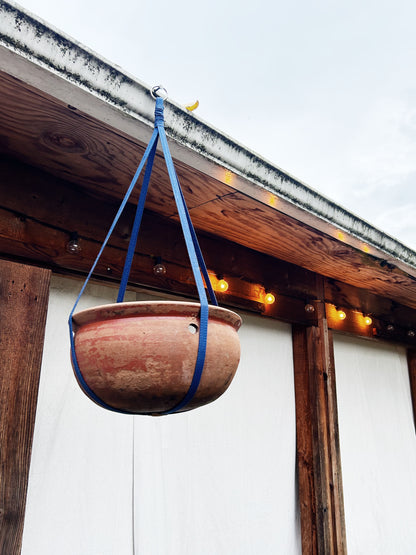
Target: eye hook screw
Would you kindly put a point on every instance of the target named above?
(159, 91)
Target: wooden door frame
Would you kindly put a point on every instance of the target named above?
(411, 361)
(24, 294)
(317, 439)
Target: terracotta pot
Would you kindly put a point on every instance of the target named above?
(140, 356)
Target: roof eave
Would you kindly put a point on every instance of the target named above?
(44, 57)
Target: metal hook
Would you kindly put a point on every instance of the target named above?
(159, 91)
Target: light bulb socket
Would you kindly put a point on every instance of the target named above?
(73, 246)
(159, 269)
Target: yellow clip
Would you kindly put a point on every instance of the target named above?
(192, 107)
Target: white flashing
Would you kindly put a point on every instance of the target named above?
(42, 56)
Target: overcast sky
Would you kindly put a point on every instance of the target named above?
(324, 89)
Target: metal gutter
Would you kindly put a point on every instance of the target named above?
(42, 56)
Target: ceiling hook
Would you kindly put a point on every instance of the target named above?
(159, 91)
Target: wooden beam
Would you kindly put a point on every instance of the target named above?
(264, 229)
(39, 211)
(304, 444)
(70, 144)
(318, 451)
(33, 195)
(51, 135)
(25, 238)
(335, 474)
(411, 360)
(23, 305)
(399, 326)
(361, 300)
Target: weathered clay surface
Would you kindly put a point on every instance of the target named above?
(141, 356)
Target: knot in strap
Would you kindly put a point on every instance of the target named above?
(159, 119)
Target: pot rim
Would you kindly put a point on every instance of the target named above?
(151, 308)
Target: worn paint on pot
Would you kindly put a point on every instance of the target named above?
(140, 356)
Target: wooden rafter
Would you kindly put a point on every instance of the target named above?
(39, 212)
(69, 144)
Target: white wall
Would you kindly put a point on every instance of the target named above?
(79, 500)
(217, 480)
(378, 447)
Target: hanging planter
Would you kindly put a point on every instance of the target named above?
(156, 357)
(141, 357)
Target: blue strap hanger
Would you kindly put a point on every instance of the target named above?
(194, 252)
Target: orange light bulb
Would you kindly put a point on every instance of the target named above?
(269, 298)
(368, 321)
(341, 315)
(222, 285)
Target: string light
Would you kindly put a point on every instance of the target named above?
(341, 314)
(269, 298)
(73, 246)
(159, 269)
(228, 177)
(222, 285)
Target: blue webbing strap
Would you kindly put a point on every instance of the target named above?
(201, 261)
(194, 252)
(203, 319)
(78, 373)
(136, 225)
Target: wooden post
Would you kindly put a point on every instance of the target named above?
(23, 305)
(411, 360)
(318, 452)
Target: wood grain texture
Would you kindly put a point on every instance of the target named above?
(278, 235)
(23, 305)
(39, 211)
(318, 452)
(398, 326)
(36, 195)
(348, 297)
(25, 238)
(336, 487)
(71, 145)
(411, 360)
(50, 135)
(304, 444)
